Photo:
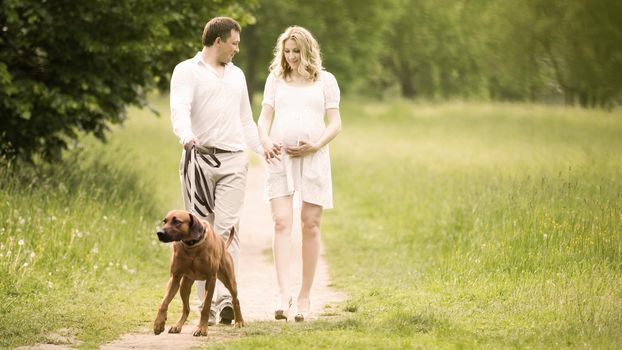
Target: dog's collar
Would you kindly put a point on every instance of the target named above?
(195, 241)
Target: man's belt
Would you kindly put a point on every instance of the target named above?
(212, 150)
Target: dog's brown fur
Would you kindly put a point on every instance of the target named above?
(206, 259)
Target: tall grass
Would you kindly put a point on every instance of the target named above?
(456, 225)
(77, 246)
(472, 226)
(504, 219)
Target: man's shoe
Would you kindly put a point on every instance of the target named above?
(226, 311)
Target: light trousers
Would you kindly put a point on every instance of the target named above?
(227, 183)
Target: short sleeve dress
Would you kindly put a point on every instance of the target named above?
(299, 113)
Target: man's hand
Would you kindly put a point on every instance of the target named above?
(190, 143)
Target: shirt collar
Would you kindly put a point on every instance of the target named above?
(198, 58)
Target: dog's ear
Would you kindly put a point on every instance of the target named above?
(196, 227)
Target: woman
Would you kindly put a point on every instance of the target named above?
(298, 95)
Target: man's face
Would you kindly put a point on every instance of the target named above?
(228, 48)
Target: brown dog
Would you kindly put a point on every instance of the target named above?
(198, 254)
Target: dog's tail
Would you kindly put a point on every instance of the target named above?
(231, 234)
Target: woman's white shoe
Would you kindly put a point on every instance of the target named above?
(281, 310)
(304, 305)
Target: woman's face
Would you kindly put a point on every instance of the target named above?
(291, 51)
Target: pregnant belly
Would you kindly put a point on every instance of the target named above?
(293, 131)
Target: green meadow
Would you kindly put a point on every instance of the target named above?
(456, 225)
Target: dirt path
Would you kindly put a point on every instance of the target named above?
(257, 280)
(256, 283)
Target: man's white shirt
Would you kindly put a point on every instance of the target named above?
(215, 110)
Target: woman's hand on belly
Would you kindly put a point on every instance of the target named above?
(303, 148)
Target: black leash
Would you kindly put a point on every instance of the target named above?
(199, 188)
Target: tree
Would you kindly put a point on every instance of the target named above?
(582, 44)
(351, 35)
(73, 66)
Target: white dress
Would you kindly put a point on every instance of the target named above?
(299, 113)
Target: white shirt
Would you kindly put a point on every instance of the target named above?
(215, 110)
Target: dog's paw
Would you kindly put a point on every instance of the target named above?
(175, 329)
(201, 331)
(239, 324)
(158, 327)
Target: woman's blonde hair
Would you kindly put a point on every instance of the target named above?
(310, 60)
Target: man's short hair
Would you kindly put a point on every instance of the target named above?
(219, 27)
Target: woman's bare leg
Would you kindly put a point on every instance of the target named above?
(282, 214)
(311, 216)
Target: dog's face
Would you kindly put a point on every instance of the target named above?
(180, 225)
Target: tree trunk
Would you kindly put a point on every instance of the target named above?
(407, 83)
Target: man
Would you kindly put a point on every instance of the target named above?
(211, 115)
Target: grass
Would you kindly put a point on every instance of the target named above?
(462, 225)
(456, 225)
(69, 232)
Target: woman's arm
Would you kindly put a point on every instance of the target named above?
(271, 150)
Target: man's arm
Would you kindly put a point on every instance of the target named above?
(181, 103)
(246, 117)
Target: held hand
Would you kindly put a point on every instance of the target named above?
(303, 148)
(271, 151)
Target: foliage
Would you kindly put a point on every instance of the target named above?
(536, 50)
(350, 34)
(68, 67)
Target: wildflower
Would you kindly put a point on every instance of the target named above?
(25, 264)
(21, 242)
(545, 236)
(32, 255)
(95, 250)
(21, 220)
(50, 285)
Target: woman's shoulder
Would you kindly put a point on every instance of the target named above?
(327, 77)
(274, 75)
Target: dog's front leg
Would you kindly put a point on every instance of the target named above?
(210, 285)
(171, 289)
(184, 292)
